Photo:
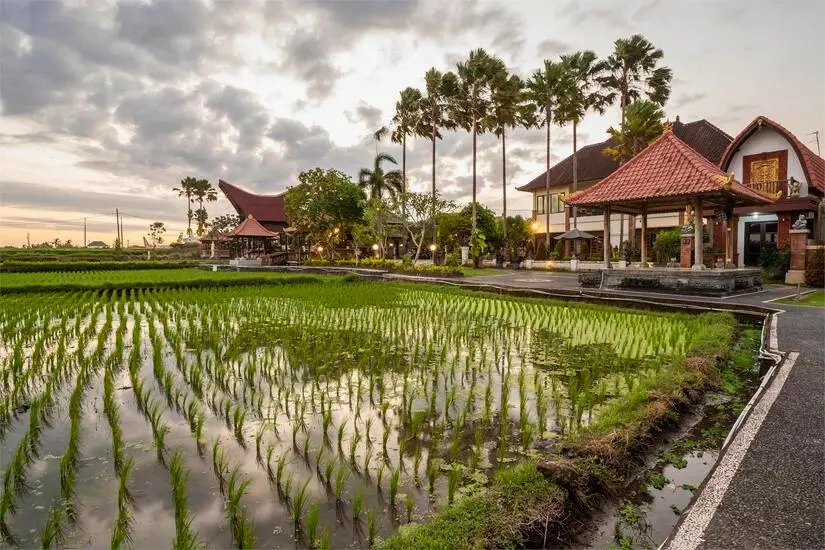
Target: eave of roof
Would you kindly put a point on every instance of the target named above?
(251, 228)
(265, 208)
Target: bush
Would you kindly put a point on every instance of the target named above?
(13, 266)
(453, 260)
(667, 245)
(775, 262)
(541, 252)
(815, 268)
(558, 251)
(406, 260)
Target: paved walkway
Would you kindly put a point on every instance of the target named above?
(768, 488)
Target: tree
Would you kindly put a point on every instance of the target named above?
(641, 125)
(225, 222)
(544, 90)
(421, 208)
(156, 230)
(376, 181)
(518, 234)
(470, 101)
(406, 119)
(632, 73)
(581, 94)
(440, 87)
(377, 218)
(203, 191)
(187, 190)
(325, 205)
(508, 108)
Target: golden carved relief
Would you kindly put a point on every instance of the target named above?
(765, 170)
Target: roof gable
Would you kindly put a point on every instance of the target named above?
(264, 208)
(812, 164)
(702, 136)
(251, 228)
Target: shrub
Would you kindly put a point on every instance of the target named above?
(453, 260)
(815, 267)
(406, 260)
(558, 251)
(541, 252)
(775, 262)
(667, 245)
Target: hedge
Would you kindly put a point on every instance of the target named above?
(815, 267)
(13, 266)
(372, 263)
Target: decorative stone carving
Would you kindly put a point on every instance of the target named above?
(624, 251)
(800, 223)
(793, 188)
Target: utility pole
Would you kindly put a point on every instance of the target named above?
(85, 242)
(28, 239)
(117, 228)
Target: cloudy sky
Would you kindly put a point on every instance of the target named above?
(109, 104)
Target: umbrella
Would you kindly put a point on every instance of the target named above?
(574, 234)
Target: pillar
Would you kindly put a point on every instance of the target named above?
(799, 245)
(567, 247)
(607, 248)
(644, 235)
(685, 250)
(698, 264)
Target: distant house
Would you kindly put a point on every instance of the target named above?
(97, 244)
(268, 210)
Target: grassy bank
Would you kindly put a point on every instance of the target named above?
(13, 266)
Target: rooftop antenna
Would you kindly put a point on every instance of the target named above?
(816, 134)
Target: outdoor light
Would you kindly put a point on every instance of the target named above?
(375, 247)
(337, 230)
(534, 226)
(432, 247)
(320, 249)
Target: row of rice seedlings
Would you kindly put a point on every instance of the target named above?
(185, 537)
(124, 522)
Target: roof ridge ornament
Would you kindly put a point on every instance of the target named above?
(668, 126)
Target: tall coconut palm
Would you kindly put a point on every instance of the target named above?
(544, 90)
(470, 102)
(203, 192)
(580, 95)
(376, 181)
(187, 190)
(405, 122)
(439, 88)
(633, 73)
(507, 110)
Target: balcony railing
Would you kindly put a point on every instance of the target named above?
(778, 189)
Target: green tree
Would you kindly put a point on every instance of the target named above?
(405, 122)
(470, 102)
(156, 231)
(508, 109)
(325, 205)
(203, 191)
(421, 210)
(581, 94)
(376, 181)
(641, 125)
(225, 222)
(544, 90)
(439, 87)
(377, 220)
(187, 190)
(518, 234)
(633, 73)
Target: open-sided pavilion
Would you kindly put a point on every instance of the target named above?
(669, 176)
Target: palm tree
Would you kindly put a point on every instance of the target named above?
(187, 190)
(633, 74)
(508, 108)
(434, 105)
(580, 95)
(642, 124)
(203, 191)
(405, 120)
(376, 181)
(470, 103)
(543, 91)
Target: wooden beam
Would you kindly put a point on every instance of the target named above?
(698, 264)
(644, 234)
(607, 248)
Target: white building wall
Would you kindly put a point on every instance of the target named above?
(596, 223)
(766, 140)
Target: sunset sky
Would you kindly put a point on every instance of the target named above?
(110, 104)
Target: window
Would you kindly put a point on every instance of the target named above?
(555, 204)
(539, 206)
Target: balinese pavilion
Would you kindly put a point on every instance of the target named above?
(670, 176)
(251, 243)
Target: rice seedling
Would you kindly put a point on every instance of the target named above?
(395, 477)
(357, 505)
(452, 484)
(185, 538)
(379, 476)
(124, 523)
(372, 527)
(312, 525)
(53, 534)
(298, 502)
(341, 475)
(409, 504)
(243, 532)
(326, 540)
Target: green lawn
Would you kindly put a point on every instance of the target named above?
(814, 299)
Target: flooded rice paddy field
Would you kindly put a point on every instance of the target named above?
(290, 416)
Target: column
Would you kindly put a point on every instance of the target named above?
(607, 248)
(799, 245)
(644, 234)
(697, 235)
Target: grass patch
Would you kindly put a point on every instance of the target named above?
(515, 509)
(814, 299)
(657, 480)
